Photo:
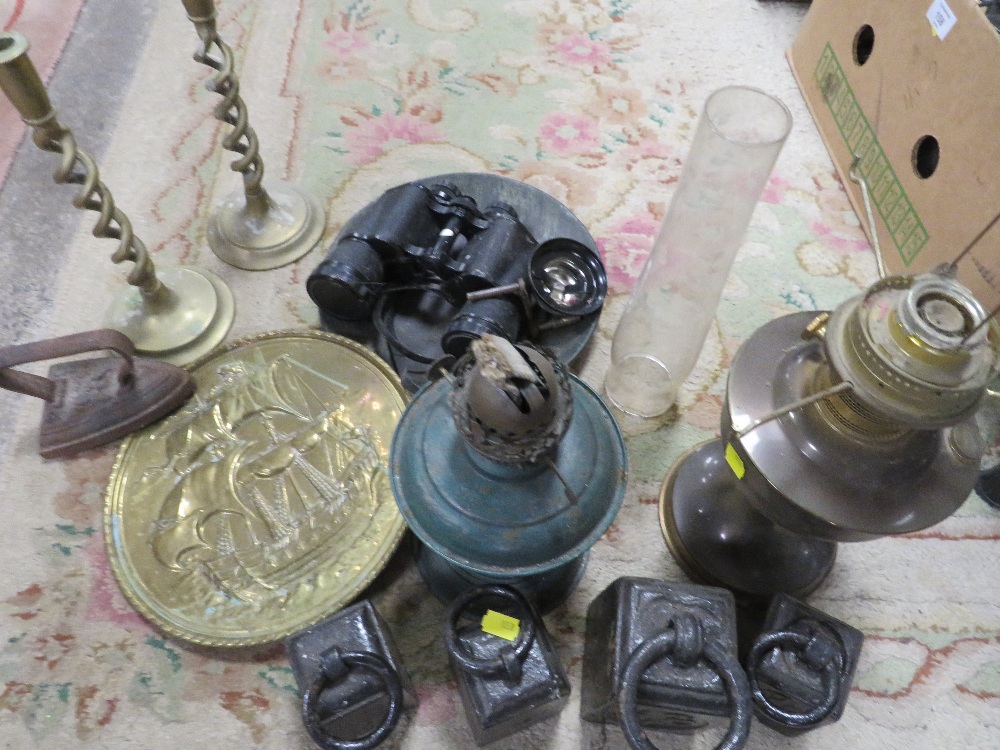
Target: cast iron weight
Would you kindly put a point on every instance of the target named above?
(801, 666)
(90, 402)
(353, 685)
(505, 686)
(661, 654)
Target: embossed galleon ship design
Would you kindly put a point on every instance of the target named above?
(265, 475)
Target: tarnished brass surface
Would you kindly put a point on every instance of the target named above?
(255, 228)
(260, 234)
(188, 316)
(20, 81)
(177, 316)
(264, 504)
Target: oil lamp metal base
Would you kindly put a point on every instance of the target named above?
(544, 590)
(483, 522)
(839, 427)
(266, 231)
(718, 538)
(188, 316)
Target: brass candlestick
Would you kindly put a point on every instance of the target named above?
(177, 316)
(255, 229)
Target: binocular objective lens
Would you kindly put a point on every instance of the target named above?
(347, 283)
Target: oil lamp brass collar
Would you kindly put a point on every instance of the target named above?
(911, 351)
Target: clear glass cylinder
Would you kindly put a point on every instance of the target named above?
(661, 332)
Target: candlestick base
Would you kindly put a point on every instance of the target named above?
(188, 316)
(268, 230)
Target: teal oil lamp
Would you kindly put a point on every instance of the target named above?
(508, 470)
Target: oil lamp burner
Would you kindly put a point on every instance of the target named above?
(837, 427)
(507, 470)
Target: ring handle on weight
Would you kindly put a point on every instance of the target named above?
(724, 665)
(831, 679)
(507, 663)
(335, 665)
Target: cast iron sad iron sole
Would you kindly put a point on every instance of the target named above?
(90, 402)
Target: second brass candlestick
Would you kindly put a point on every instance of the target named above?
(177, 316)
(255, 229)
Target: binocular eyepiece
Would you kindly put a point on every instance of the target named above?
(482, 268)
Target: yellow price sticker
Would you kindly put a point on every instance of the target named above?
(735, 462)
(501, 625)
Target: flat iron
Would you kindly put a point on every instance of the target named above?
(90, 402)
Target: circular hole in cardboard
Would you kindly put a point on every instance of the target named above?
(926, 154)
(864, 43)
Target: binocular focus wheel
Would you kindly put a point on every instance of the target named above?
(724, 665)
(831, 679)
(330, 674)
(508, 662)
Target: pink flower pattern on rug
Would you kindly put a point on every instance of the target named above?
(577, 49)
(585, 100)
(564, 134)
(374, 136)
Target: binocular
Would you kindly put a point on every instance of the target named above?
(431, 250)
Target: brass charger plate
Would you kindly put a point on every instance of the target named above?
(264, 504)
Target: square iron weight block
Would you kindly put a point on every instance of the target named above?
(632, 611)
(497, 705)
(357, 704)
(783, 674)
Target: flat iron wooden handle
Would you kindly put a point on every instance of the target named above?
(62, 346)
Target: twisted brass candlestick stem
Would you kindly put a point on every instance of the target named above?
(259, 229)
(177, 316)
(79, 168)
(232, 109)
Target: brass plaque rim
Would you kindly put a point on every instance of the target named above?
(116, 554)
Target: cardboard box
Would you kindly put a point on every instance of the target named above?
(912, 87)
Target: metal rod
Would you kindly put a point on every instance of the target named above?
(20, 82)
(232, 109)
(570, 494)
(495, 291)
(846, 385)
(863, 182)
(261, 228)
(979, 325)
(556, 323)
(975, 240)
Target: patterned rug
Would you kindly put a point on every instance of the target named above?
(594, 102)
(46, 23)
